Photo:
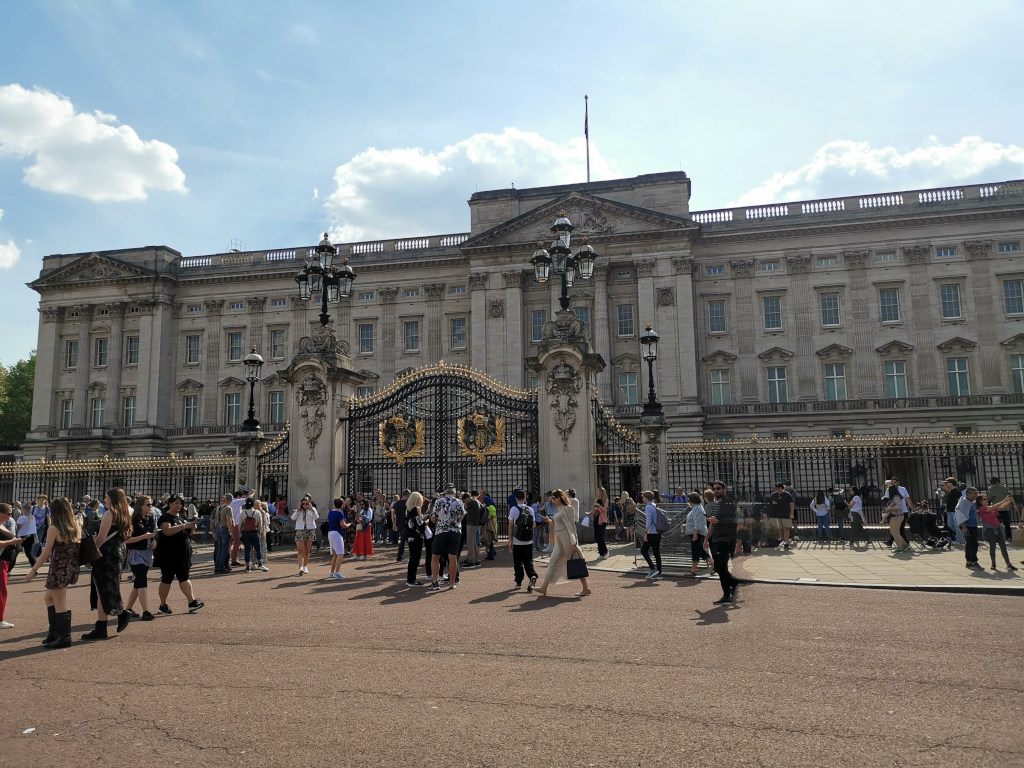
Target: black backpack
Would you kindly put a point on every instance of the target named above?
(524, 524)
(839, 503)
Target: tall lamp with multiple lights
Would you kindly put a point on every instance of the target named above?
(323, 276)
(253, 363)
(649, 346)
(560, 259)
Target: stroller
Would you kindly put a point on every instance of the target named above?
(925, 524)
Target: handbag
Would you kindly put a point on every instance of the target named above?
(586, 521)
(576, 567)
(88, 552)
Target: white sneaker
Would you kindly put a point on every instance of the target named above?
(6, 625)
(303, 569)
(264, 568)
(652, 574)
(338, 575)
(656, 576)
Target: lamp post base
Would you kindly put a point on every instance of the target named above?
(652, 412)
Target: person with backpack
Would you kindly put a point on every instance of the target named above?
(251, 524)
(521, 523)
(652, 538)
(840, 509)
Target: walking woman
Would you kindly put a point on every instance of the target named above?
(63, 539)
(894, 514)
(174, 554)
(105, 584)
(336, 527)
(652, 539)
(697, 530)
(563, 526)
(599, 516)
(305, 518)
(27, 533)
(628, 514)
(856, 516)
(8, 552)
(363, 545)
(992, 527)
(140, 556)
(415, 528)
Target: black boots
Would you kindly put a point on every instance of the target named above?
(62, 631)
(51, 620)
(99, 633)
(122, 621)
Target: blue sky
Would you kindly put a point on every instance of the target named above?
(190, 124)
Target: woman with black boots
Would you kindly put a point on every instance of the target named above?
(63, 539)
(105, 584)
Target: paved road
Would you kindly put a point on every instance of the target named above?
(285, 671)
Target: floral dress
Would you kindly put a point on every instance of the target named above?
(63, 565)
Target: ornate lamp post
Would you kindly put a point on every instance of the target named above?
(253, 363)
(324, 276)
(561, 260)
(649, 345)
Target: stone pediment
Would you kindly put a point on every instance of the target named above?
(626, 362)
(369, 375)
(92, 269)
(230, 381)
(834, 350)
(719, 357)
(190, 384)
(895, 348)
(956, 344)
(1014, 342)
(775, 354)
(591, 217)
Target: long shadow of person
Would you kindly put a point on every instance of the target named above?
(716, 615)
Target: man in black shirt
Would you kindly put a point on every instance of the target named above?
(780, 513)
(722, 533)
(398, 523)
(951, 487)
(474, 509)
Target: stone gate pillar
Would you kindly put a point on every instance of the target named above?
(654, 455)
(565, 365)
(247, 448)
(322, 381)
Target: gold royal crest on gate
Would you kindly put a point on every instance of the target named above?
(481, 435)
(401, 438)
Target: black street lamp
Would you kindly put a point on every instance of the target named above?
(649, 345)
(324, 276)
(561, 260)
(253, 363)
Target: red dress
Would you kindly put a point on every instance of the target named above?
(363, 545)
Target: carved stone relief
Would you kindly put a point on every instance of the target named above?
(644, 267)
(666, 297)
(798, 265)
(513, 279)
(477, 281)
(977, 249)
(256, 303)
(855, 259)
(434, 291)
(563, 384)
(742, 267)
(323, 341)
(566, 327)
(683, 266)
(214, 306)
(916, 254)
(387, 294)
(496, 308)
(50, 314)
(311, 396)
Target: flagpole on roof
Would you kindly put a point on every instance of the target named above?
(586, 131)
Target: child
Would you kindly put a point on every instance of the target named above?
(697, 530)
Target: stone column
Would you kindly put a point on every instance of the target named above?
(81, 415)
(478, 320)
(115, 360)
(247, 447)
(210, 355)
(745, 322)
(434, 329)
(804, 317)
(923, 309)
(512, 372)
(602, 330)
(49, 360)
(388, 340)
(858, 308)
(985, 307)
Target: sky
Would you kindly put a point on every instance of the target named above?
(207, 125)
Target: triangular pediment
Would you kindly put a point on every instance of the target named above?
(189, 384)
(591, 216)
(94, 268)
(895, 348)
(230, 381)
(956, 344)
(834, 350)
(719, 357)
(1015, 342)
(369, 375)
(775, 353)
(626, 362)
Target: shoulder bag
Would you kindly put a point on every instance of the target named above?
(576, 566)
(88, 552)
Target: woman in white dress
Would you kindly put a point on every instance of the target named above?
(563, 526)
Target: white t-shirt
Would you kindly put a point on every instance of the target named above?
(857, 506)
(821, 509)
(26, 525)
(513, 515)
(236, 509)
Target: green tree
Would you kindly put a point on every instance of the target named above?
(16, 384)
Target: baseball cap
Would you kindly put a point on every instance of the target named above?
(449, 487)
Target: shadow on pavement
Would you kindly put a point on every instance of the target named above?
(716, 615)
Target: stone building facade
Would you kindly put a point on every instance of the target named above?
(896, 312)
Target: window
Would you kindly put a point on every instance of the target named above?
(532, 383)
(234, 346)
(192, 349)
(277, 344)
(583, 315)
(889, 305)
(945, 253)
(128, 411)
(827, 261)
(777, 385)
(97, 406)
(275, 407)
(456, 290)
(1009, 247)
(103, 312)
(896, 379)
(67, 413)
(365, 339)
(458, 332)
(279, 302)
(412, 293)
(538, 318)
(131, 350)
(367, 296)
(885, 258)
(721, 390)
(830, 309)
(628, 394)
(624, 274)
(956, 373)
(1017, 372)
(236, 305)
(412, 336)
(74, 313)
(772, 313)
(835, 382)
(769, 266)
(1013, 297)
(102, 345)
(364, 391)
(190, 411)
(950, 297)
(134, 310)
(195, 308)
(71, 354)
(716, 317)
(624, 313)
(232, 409)
(714, 270)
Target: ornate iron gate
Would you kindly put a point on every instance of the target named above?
(616, 454)
(272, 468)
(440, 424)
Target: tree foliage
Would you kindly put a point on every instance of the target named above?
(16, 383)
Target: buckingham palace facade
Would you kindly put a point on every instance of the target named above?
(878, 313)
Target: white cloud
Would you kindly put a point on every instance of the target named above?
(855, 167)
(87, 155)
(9, 254)
(302, 34)
(316, 193)
(413, 191)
